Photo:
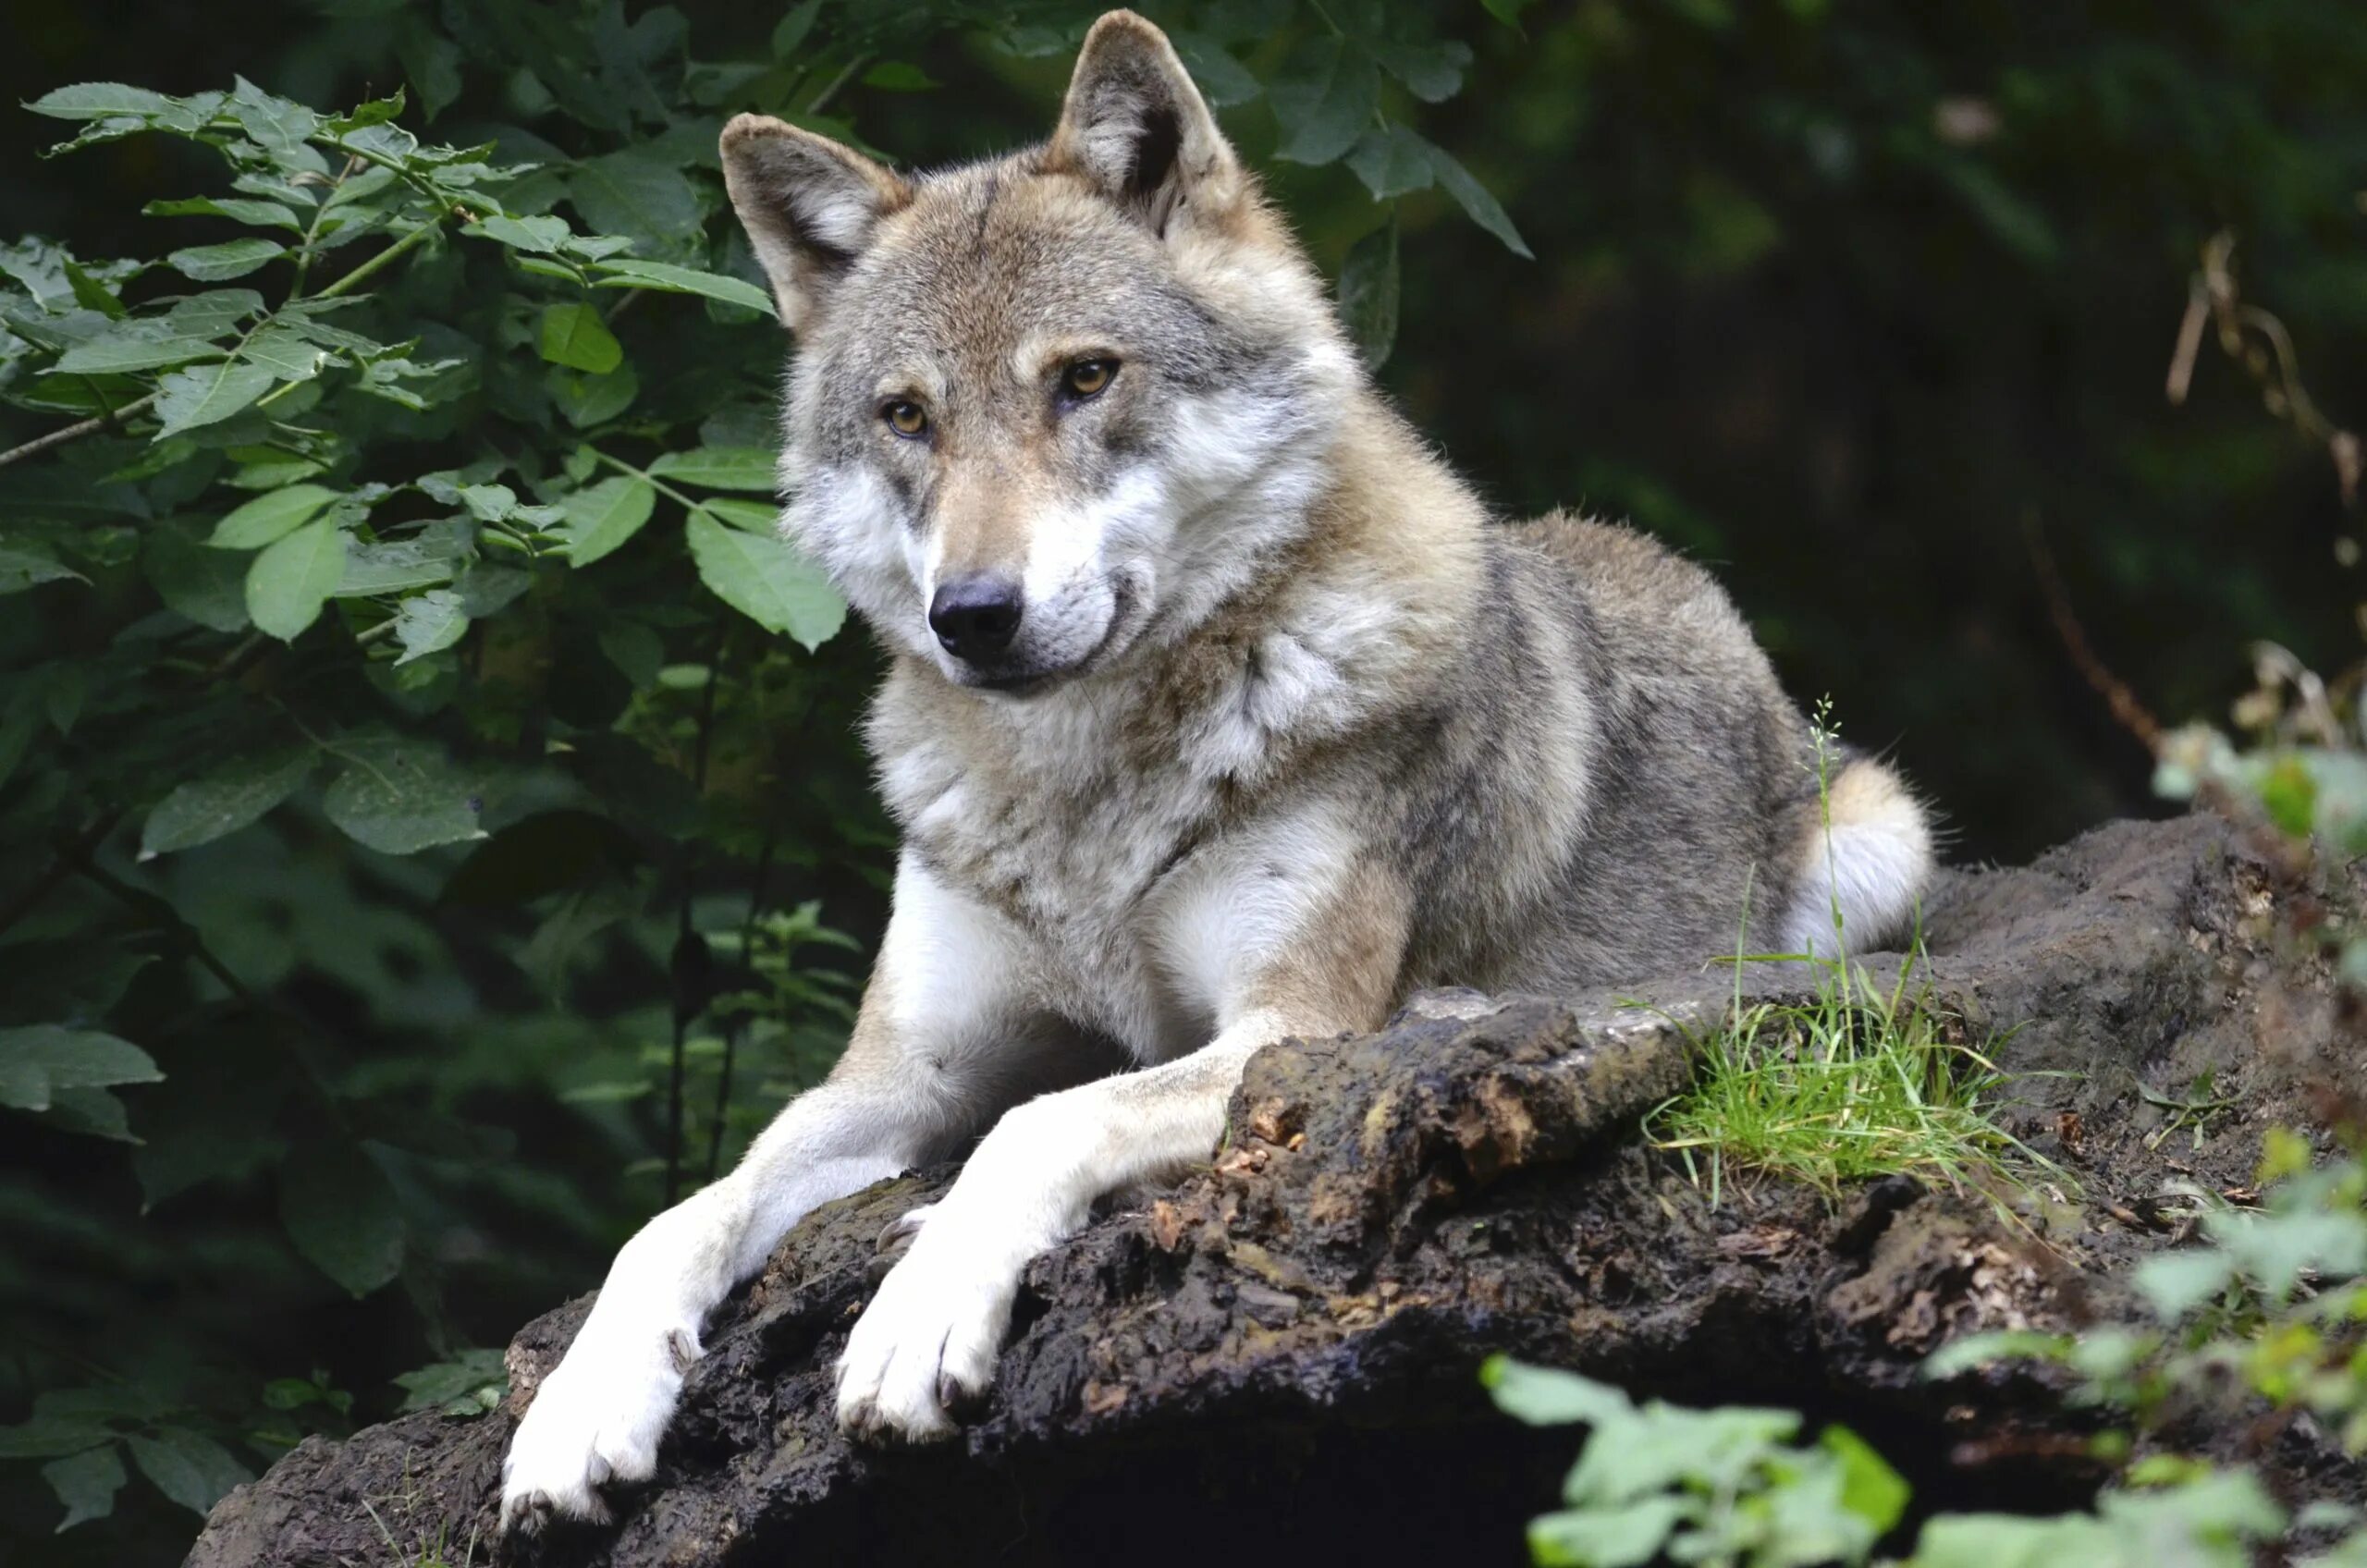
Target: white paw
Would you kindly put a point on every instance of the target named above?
(596, 1418)
(929, 1340)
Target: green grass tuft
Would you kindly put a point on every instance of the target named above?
(1853, 1085)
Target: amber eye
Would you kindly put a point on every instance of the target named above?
(1087, 377)
(906, 418)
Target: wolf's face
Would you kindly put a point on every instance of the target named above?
(1049, 409)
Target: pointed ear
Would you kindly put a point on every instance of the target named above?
(810, 207)
(1135, 128)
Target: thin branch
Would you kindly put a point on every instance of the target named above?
(2126, 709)
(731, 1028)
(686, 1005)
(831, 89)
(69, 854)
(41, 444)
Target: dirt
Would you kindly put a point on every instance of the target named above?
(1277, 1354)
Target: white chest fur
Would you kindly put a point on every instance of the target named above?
(1146, 875)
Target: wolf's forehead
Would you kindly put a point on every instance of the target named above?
(985, 261)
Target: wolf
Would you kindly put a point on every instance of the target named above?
(1217, 711)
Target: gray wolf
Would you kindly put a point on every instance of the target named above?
(1219, 711)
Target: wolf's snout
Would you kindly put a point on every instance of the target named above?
(975, 618)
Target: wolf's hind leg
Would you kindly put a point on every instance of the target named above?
(1870, 855)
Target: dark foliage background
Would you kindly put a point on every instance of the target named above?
(1843, 298)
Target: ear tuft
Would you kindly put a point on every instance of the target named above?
(810, 206)
(1136, 128)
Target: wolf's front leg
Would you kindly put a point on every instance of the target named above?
(930, 1339)
(945, 1040)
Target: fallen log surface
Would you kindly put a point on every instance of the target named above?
(1277, 1353)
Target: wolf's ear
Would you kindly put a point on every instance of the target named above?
(1136, 127)
(809, 205)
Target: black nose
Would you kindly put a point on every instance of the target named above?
(975, 618)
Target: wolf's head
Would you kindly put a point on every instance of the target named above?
(1053, 407)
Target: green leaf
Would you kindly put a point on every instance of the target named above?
(601, 517)
(424, 560)
(22, 568)
(224, 800)
(93, 1113)
(575, 334)
(1432, 73)
(377, 111)
(1544, 1397)
(294, 577)
(1369, 293)
(589, 400)
(489, 503)
(644, 193)
(238, 209)
(232, 258)
(339, 1210)
(289, 355)
(539, 235)
(54, 1432)
(471, 1383)
(1326, 103)
(1869, 1487)
(767, 580)
(1507, 12)
(720, 468)
(756, 517)
(94, 100)
(272, 516)
(191, 1469)
(147, 343)
(86, 1483)
(627, 273)
(39, 1060)
(1391, 159)
(1478, 204)
(207, 586)
(400, 797)
(1607, 1537)
(899, 76)
(188, 398)
(90, 294)
(1221, 79)
(429, 623)
(214, 313)
(791, 30)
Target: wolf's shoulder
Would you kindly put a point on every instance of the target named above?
(1623, 572)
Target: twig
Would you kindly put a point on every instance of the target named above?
(2126, 709)
(69, 854)
(731, 1028)
(687, 1006)
(41, 444)
(831, 89)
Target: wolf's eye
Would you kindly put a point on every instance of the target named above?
(1087, 377)
(906, 418)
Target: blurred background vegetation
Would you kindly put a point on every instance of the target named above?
(1847, 300)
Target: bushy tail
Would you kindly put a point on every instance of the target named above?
(1866, 846)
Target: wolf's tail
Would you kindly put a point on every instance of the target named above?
(1865, 849)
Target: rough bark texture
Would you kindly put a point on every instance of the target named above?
(1277, 1353)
